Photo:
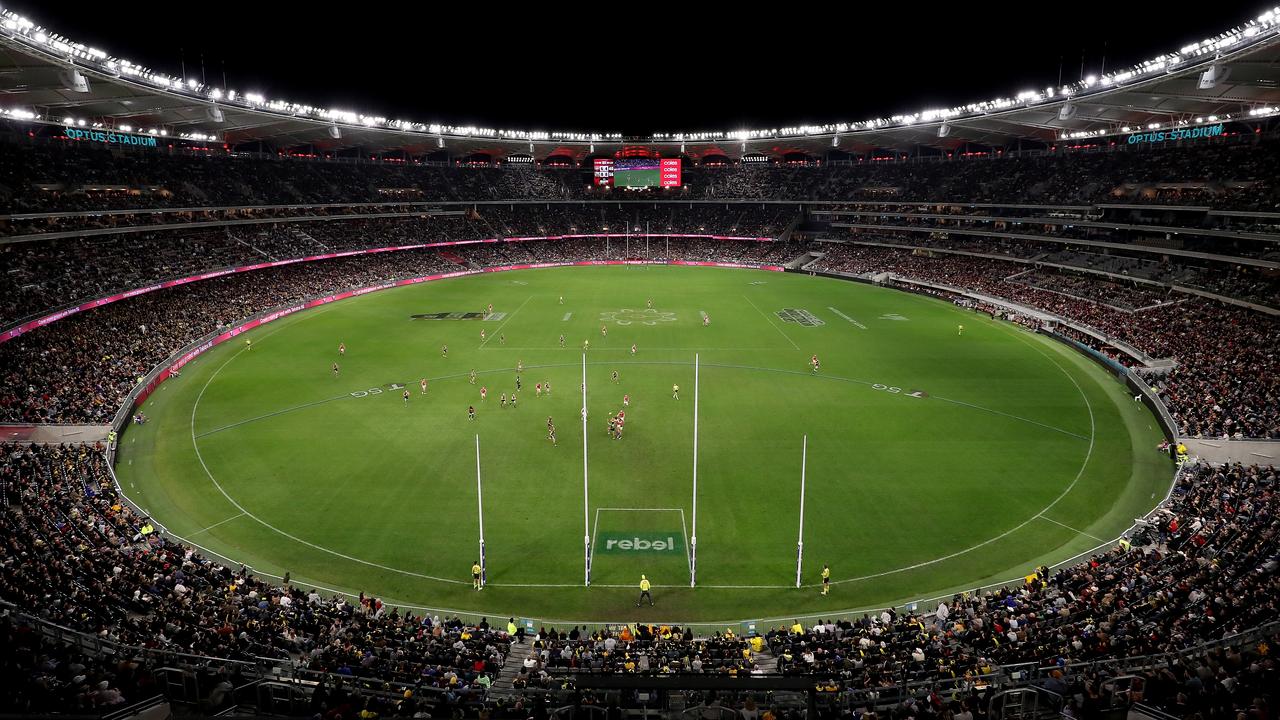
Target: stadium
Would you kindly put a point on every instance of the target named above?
(960, 413)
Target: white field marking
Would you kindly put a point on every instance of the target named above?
(1024, 523)
(504, 322)
(846, 317)
(272, 414)
(775, 327)
(595, 525)
(349, 395)
(268, 525)
(1074, 530)
(566, 317)
(1009, 415)
(555, 585)
(202, 530)
(684, 528)
(688, 554)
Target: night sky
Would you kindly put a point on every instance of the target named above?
(636, 68)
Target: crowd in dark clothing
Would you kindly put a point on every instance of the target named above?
(47, 175)
(74, 554)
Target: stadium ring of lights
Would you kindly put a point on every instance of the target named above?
(1222, 78)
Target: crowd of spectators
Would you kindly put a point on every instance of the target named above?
(51, 175)
(47, 274)
(79, 369)
(1227, 379)
(1251, 284)
(1203, 568)
(75, 555)
(646, 649)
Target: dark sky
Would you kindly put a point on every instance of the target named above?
(637, 67)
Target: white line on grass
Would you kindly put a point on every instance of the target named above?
(1074, 530)
(846, 317)
(1009, 415)
(775, 327)
(268, 525)
(1024, 523)
(688, 554)
(504, 322)
(203, 530)
(644, 362)
(273, 414)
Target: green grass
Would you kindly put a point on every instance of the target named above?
(1022, 451)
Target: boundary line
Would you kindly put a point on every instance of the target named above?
(915, 566)
(268, 525)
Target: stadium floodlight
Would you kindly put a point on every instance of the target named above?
(74, 81)
(215, 114)
(1210, 78)
(335, 132)
(1067, 111)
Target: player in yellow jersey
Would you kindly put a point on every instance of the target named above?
(476, 581)
(644, 591)
(826, 579)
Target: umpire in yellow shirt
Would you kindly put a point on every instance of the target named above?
(644, 591)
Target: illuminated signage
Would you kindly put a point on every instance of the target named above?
(1159, 136)
(109, 137)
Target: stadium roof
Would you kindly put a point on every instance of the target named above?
(1232, 76)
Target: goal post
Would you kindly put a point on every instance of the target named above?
(586, 503)
(693, 538)
(484, 575)
(804, 455)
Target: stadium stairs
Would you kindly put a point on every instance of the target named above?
(503, 685)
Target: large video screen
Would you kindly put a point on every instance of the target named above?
(638, 172)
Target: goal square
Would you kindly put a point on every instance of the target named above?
(627, 542)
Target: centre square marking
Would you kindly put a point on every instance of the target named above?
(640, 543)
(629, 316)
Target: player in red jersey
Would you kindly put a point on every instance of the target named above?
(626, 401)
(813, 362)
(423, 385)
(484, 393)
(537, 389)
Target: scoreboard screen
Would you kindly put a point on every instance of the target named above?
(638, 172)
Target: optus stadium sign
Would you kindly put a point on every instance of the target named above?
(109, 137)
(1159, 136)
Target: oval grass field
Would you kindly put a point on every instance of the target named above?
(937, 460)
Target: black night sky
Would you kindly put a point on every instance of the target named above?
(637, 68)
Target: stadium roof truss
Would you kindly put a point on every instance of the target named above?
(47, 78)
